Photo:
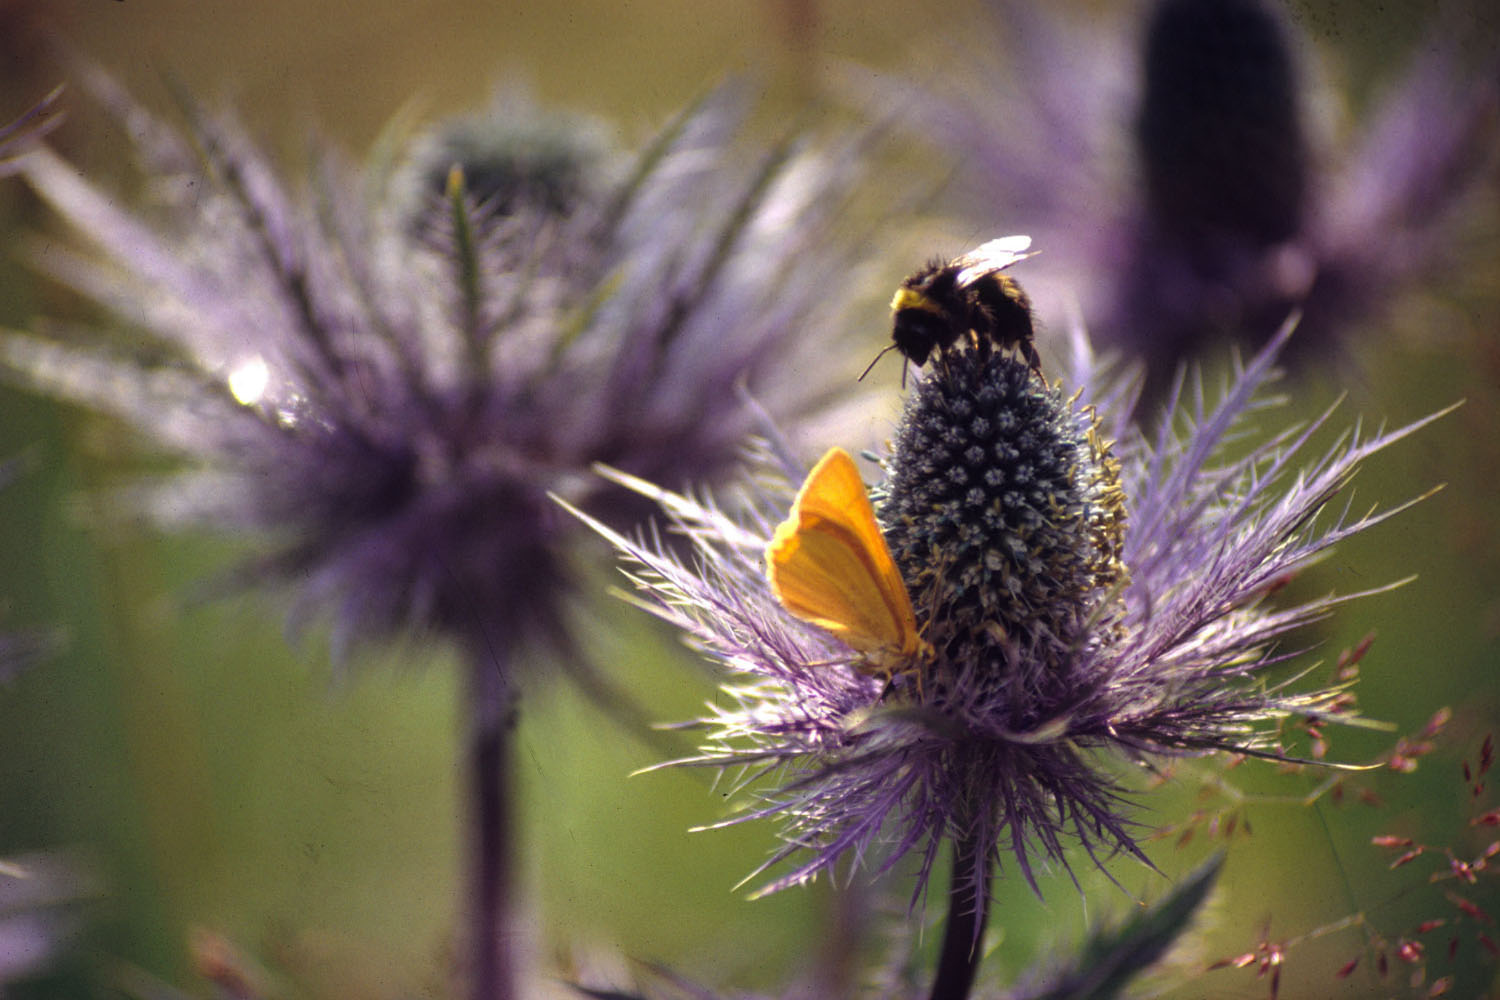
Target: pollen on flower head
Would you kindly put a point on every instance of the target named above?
(1005, 513)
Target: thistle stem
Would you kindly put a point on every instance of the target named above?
(492, 716)
(968, 910)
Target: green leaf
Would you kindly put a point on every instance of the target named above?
(1111, 959)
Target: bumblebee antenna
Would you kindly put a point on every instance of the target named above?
(870, 367)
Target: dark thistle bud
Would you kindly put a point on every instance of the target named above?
(516, 156)
(1220, 134)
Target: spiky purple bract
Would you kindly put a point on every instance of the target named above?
(1120, 607)
(17, 136)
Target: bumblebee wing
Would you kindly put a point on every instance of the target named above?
(829, 565)
(996, 255)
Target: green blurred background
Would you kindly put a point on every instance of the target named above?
(214, 776)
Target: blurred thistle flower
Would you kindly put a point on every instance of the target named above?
(1203, 175)
(391, 402)
(386, 379)
(1081, 589)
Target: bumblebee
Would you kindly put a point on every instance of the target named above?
(966, 297)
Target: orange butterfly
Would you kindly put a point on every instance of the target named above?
(829, 565)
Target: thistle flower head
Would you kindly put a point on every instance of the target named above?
(1014, 487)
(389, 392)
(1082, 589)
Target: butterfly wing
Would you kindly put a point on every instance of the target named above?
(829, 565)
